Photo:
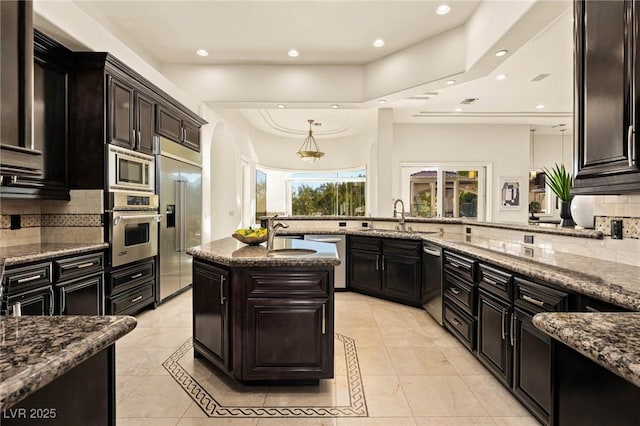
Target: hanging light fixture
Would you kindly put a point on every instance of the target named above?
(309, 150)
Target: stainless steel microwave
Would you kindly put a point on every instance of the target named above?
(130, 170)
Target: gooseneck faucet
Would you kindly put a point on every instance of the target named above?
(401, 221)
(271, 230)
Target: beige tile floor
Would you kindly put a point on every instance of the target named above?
(414, 373)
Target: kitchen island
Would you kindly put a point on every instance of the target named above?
(59, 370)
(265, 316)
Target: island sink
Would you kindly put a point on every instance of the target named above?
(290, 252)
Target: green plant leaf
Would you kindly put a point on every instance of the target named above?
(559, 181)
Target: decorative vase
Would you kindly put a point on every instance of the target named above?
(582, 210)
(565, 214)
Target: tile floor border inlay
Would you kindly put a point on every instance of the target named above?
(212, 408)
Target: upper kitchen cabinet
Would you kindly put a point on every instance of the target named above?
(18, 157)
(130, 116)
(607, 78)
(177, 127)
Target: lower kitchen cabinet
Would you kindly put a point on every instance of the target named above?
(34, 302)
(385, 267)
(494, 338)
(83, 296)
(131, 287)
(211, 313)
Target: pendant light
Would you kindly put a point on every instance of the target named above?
(309, 150)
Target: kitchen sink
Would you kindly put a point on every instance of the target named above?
(290, 252)
(408, 231)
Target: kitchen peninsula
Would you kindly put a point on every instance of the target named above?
(264, 316)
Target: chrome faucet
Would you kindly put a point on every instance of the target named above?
(271, 230)
(401, 221)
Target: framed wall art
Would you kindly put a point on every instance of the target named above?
(510, 193)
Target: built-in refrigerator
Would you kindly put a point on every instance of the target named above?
(179, 180)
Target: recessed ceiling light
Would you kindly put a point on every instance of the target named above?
(443, 9)
(378, 42)
(501, 77)
(450, 82)
(382, 101)
(458, 109)
(293, 53)
(281, 106)
(539, 106)
(501, 52)
(335, 106)
(202, 52)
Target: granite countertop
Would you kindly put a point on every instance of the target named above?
(35, 350)
(16, 255)
(231, 252)
(610, 339)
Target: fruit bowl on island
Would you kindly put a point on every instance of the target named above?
(250, 236)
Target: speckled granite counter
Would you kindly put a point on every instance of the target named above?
(231, 252)
(16, 255)
(36, 350)
(610, 339)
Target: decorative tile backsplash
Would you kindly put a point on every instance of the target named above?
(630, 226)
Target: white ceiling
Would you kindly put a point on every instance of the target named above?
(332, 32)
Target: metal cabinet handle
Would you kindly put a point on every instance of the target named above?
(28, 279)
(135, 299)
(63, 303)
(456, 322)
(222, 298)
(454, 291)
(513, 329)
(502, 323)
(138, 141)
(133, 138)
(490, 281)
(85, 265)
(630, 147)
(324, 318)
(382, 262)
(134, 276)
(377, 262)
(432, 252)
(51, 301)
(532, 300)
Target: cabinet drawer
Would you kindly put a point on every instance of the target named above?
(461, 292)
(406, 248)
(133, 300)
(495, 281)
(21, 279)
(461, 325)
(124, 279)
(289, 282)
(460, 265)
(534, 297)
(365, 243)
(77, 266)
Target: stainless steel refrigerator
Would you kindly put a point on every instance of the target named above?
(179, 180)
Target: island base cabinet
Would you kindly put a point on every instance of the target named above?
(85, 395)
(287, 340)
(494, 339)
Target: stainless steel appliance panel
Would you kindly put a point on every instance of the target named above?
(169, 226)
(130, 170)
(192, 225)
(134, 236)
(432, 280)
(340, 271)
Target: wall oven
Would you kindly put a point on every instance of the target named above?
(134, 227)
(130, 170)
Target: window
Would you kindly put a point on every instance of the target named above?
(327, 194)
(261, 193)
(446, 190)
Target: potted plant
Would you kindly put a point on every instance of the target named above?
(559, 180)
(534, 207)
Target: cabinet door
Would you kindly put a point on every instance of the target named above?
(494, 346)
(532, 365)
(606, 154)
(168, 123)
(211, 313)
(191, 135)
(364, 270)
(287, 338)
(35, 302)
(401, 277)
(81, 297)
(144, 123)
(121, 128)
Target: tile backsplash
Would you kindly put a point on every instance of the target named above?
(76, 221)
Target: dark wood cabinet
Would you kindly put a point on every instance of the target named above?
(34, 302)
(388, 268)
(211, 300)
(84, 296)
(18, 157)
(494, 337)
(131, 288)
(607, 74)
(130, 117)
(175, 126)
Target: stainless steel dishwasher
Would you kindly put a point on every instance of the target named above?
(339, 278)
(432, 280)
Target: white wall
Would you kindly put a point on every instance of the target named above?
(550, 149)
(506, 147)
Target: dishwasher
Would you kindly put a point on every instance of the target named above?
(432, 280)
(340, 278)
